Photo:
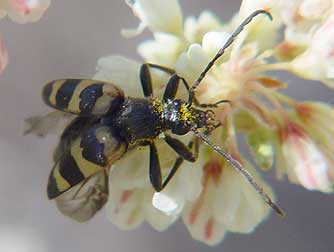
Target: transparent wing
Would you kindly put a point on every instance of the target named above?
(84, 200)
(53, 122)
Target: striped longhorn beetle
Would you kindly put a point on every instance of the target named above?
(108, 124)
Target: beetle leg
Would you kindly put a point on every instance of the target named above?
(171, 88)
(172, 85)
(185, 152)
(146, 80)
(161, 68)
(180, 148)
(192, 144)
(155, 169)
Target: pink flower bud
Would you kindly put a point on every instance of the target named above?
(24, 11)
(21, 6)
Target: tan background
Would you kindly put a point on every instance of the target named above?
(66, 43)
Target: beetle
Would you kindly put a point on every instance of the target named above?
(109, 124)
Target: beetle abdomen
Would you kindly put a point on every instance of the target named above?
(83, 97)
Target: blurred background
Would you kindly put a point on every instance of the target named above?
(67, 42)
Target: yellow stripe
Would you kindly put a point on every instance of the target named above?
(55, 87)
(87, 168)
(102, 104)
(73, 106)
(62, 184)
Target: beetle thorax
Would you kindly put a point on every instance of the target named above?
(178, 116)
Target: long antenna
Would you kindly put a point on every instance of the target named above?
(222, 50)
(236, 165)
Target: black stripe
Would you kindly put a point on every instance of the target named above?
(92, 149)
(75, 128)
(89, 96)
(115, 103)
(65, 92)
(69, 170)
(47, 90)
(52, 188)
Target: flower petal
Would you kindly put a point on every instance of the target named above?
(166, 204)
(159, 220)
(124, 207)
(317, 62)
(238, 206)
(306, 162)
(158, 15)
(180, 189)
(213, 41)
(249, 6)
(128, 208)
(190, 64)
(318, 120)
(199, 220)
(314, 9)
(195, 28)
(131, 171)
(312, 168)
(120, 71)
(164, 50)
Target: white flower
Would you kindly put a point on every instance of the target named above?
(314, 9)
(195, 28)
(240, 208)
(302, 13)
(317, 119)
(158, 15)
(227, 204)
(227, 80)
(20, 11)
(262, 31)
(305, 162)
(164, 50)
(120, 71)
(132, 199)
(317, 61)
(131, 194)
(199, 215)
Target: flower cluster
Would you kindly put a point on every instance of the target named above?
(209, 195)
(20, 11)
